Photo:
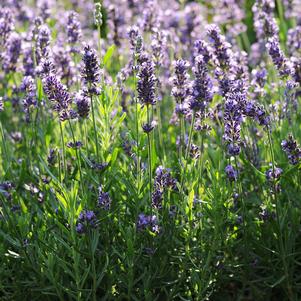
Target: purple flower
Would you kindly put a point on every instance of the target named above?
(13, 50)
(148, 127)
(91, 70)
(58, 95)
(45, 68)
(201, 92)
(43, 42)
(52, 157)
(80, 228)
(292, 150)
(282, 64)
(28, 86)
(180, 81)
(104, 201)
(73, 28)
(75, 145)
(273, 174)
(202, 48)
(163, 181)
(146, 84)
(145, 221)
(86, 219)
(6, 24)
(232, 121)
(231, 173)
(1, 104)
(222, 50)
(83, 104)
(135, 39)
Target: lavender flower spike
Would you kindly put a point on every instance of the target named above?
(146, 84)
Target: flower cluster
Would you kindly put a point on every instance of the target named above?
(231, 173)
(57, 93)
(86, 220)
(292, 150)
(222, 50)
(163, 181)
(90, 70)
(83, 104)
(73, 28)
(201, 91)
(232, 120)
(146, 84)
(104, 201)
(147, 221)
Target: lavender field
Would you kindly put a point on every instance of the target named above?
(150, 150)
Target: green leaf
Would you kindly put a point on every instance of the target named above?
(108, 54)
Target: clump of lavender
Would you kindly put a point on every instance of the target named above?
(163, 181)
(201, 92)
(59, 96)
(90, 71)
(147, 221)
(86, 220)
(231, 173)
(292, 150)
(13, 51)
(73, 28)
(104, 201)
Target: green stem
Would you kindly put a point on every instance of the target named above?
(64, 151)
(77, 155)
(149, 157)
(188, 149)
(94, 126)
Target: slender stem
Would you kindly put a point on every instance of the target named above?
(64, 151)
(94, 283)
(181, 137)
(149, 157)
(137, 132)
(278, 215)
(86, 136)
(188, 149)
(77, 155)
(200, 163)
(94, 126)
(4, 145)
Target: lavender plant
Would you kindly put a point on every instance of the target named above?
(150, 150)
